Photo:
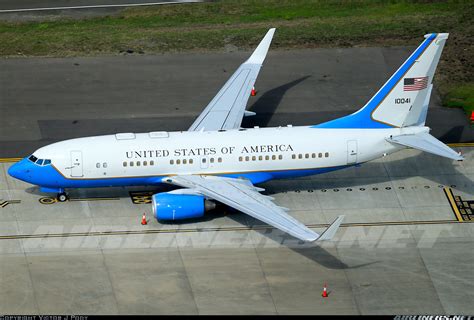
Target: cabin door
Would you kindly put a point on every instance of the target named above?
(76, 164)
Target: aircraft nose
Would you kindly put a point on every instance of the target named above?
(18, 170)
(14, 170)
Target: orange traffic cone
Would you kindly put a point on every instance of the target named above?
(325, 292)
(253, 93)
(144, 222)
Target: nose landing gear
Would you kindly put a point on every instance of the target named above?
(61, 194)
(61, 197)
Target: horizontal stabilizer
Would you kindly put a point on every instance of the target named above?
(426, 142)
(329, 233)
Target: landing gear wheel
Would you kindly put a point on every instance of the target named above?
(62, 197)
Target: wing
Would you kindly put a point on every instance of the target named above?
(227, 108)
(243, 196)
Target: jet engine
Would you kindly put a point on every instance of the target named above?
(172, 206)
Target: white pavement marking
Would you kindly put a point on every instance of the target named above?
(101, 6)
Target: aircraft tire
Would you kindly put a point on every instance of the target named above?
(62, 197)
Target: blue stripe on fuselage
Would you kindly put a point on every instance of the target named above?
(49, 177)
(362, 119)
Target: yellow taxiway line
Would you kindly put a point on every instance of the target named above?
(462, 144)
(449, 194)
(7, 160)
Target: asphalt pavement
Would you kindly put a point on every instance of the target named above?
(43, 100)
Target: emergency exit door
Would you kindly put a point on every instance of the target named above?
(76, 164)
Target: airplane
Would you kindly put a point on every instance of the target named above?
(216, 160)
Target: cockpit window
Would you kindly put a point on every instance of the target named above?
(40, 162)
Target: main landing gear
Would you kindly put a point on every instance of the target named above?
(61, 197)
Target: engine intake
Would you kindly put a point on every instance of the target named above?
(169, 206)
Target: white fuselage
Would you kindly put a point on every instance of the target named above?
(220, 153)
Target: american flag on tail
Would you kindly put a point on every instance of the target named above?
(415, 84)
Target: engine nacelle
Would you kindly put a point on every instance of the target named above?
(169, 206)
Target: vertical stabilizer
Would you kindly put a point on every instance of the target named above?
(403, 100)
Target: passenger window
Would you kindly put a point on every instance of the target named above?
(178, 161)
(152, 163)
(145, 163)
(326, 154)
(274, 157)
(131, 163)
(138, 163)
(306, 155)
(267, 157)
(171, 161)
(97, 165)
(254, 158)
(247, 158)
(320, 155)
(313, 155)
(185, 161)
(104, 164)
(46, 162)
(300, 156)
(280, 157)
(219, 160)
(293, 156)
(203, 160)
(125, 163)
(190, 161)
(260, 158)
(212, 160)
(240, 159)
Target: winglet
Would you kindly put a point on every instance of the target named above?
(260, 53)
(329, 233)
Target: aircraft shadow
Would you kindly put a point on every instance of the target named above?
(453, 135)
(326, 259)
(274, 238)
(266, 105)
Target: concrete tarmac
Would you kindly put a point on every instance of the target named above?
(43, 100)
